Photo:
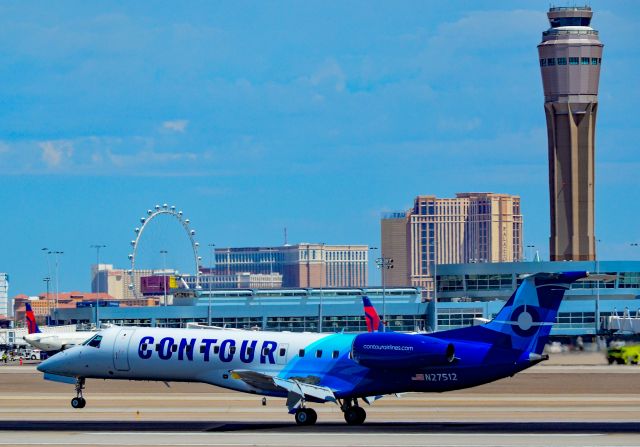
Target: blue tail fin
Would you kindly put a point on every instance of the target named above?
(527, 317)
(32, 326)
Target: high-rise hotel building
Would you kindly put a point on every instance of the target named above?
(570, 57)
(472, 227)
(301, 265)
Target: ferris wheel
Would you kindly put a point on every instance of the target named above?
(164, 210)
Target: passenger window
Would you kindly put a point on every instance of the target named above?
(319, 353)
(301, 353)
(336, 354)
(216, 349)
(158, 347)
(249, 350)
(174, 348)
(283, 352)
(202, 349)
(232, 350)
(95, 341)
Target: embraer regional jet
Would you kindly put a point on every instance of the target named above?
(345, 369)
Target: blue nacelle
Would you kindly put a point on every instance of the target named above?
(389, 350)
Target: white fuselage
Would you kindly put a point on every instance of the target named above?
(187, 355)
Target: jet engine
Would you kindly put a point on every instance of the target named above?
(390, 350)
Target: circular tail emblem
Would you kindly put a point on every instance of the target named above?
(524, 321)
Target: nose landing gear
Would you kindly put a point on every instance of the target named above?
(79, 401)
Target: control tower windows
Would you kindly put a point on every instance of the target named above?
(551, 61)
(562, 61)
(594, 61)
(574, 60)
(543, 62)
(570, 21)
(584, 60)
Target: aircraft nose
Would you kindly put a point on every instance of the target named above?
(56, 364)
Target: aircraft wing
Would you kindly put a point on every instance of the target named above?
(255, 379)
(297, 390)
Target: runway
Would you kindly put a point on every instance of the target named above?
(562, 404)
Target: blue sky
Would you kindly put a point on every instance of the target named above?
(255, 116)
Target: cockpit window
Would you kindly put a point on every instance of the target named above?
(94, 341)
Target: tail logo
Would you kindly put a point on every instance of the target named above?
(525, 321)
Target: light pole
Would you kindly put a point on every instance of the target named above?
(98, 247)
(597, 309)
(320, 316)
(211, 258)
(164, 274)
(56, 253)
(384, 264)
(435, 283)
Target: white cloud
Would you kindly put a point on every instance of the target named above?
(54, 153)
(176, 125)
(331, 73)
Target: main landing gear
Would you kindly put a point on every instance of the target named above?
(306, 416)
(79, 401)
(353, 414)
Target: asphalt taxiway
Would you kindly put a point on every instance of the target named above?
(568, 403)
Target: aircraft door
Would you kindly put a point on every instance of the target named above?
(121, 349)
(282, 354)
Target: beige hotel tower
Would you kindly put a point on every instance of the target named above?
(570, 57)
(471, 227)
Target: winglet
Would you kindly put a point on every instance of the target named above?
(32, 326)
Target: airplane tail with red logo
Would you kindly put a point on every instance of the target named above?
(374, 324)
(32, 326)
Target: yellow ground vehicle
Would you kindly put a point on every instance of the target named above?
(628, 355)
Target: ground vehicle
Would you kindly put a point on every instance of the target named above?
(628, 355)
(36, 354)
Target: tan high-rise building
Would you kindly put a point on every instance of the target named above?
(472, 227)
(570, 58)
(115, 282)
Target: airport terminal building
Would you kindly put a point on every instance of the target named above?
(465, 292)
(468, 291)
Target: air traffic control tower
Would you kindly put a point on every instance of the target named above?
(570, 57)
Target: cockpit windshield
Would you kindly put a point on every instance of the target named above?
(94, 341)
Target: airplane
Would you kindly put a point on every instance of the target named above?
(51, 342)
(345, 369)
